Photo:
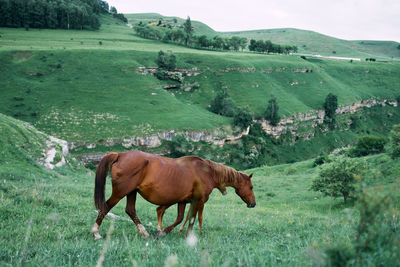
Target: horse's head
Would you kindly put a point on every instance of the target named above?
(244, 189)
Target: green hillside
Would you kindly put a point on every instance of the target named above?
(310, 42)
(84, 85)
(199, 27)
(46, 217)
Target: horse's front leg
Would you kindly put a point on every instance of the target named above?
(200, 218)
(131, 211)
(194, 207)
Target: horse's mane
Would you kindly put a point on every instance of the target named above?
(223, 174)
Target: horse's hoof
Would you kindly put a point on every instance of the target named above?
(97, 236)
(161, 234)
(142, 231)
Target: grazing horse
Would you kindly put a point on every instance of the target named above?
(164, 182)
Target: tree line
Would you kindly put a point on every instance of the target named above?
(53, 14)
(269, 47)
(180, 37)
(184, 36)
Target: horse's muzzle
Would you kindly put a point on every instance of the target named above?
(251, 205)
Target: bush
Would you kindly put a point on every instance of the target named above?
(330, 106)
(369, 144)
(243, 118)
(257, 130)
(376, 239)
(338, 178)
(320, 160)
(223, 104)
(395, 141)
(179, 146)
(161, 74)
(166, 61)
(271, 114)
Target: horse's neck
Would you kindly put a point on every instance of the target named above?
(228, 179)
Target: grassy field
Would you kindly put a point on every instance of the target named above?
(46, 216)
(83, 85)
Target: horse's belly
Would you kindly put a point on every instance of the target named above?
(169, 196)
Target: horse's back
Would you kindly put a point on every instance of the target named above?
(163, 180)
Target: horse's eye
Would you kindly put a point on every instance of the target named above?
(251, 187)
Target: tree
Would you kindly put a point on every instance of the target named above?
(166, 61)
(113, 10)
(243, 118)
(337, 178)
(272, 112)
(243, 43)
(217, 42)
(187, 27)
(235, 42)
(252, 46)
(330, 107)
(203, 41)
(223, 104)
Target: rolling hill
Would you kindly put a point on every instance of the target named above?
(199, 27)
(308, 42)
(86, 86)
(90, 86)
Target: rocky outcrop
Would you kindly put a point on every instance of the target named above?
(50, 157)
(246, 70)
(216, 137)
(316, 117)
(184, 72)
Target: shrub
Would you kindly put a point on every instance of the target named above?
(320, 160)
(161, 74)
(330, 107)
(223, 104)
(375, 242)
(355, 122)
(257, 130)
(369, 144)
(395, 141)
(179, 146)
(243, 118)
(166, 61)
(338, 178)
(272, 112)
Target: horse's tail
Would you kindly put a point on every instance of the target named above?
(100, 180)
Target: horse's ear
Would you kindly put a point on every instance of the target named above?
(251, 175)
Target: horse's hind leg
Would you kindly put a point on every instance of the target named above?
(131, 211)
(160, 214)
(110, 203)
(179, 218)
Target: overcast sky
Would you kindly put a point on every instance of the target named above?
(345, 19)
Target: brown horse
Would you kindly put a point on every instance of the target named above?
(164, 182)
